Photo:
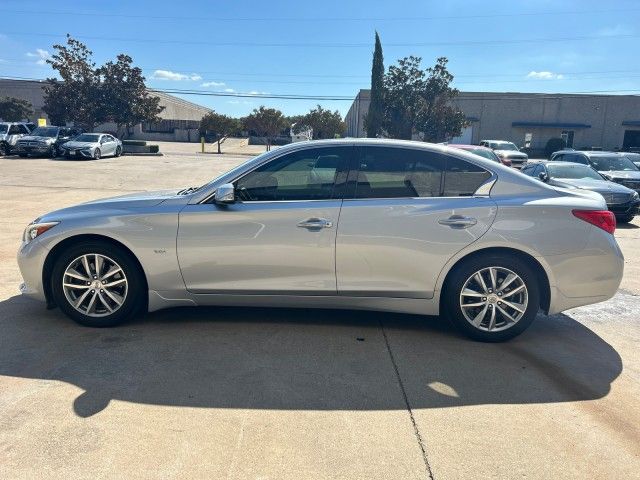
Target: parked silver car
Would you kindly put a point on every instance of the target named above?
(364, 224)
(92, 145)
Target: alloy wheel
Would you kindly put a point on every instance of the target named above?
(95, 285)
(494, 299)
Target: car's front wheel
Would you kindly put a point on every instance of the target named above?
(118, 151)
(97, 284)
(53, 152)
(97, 154)
(492, 298)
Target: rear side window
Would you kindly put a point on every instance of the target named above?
(461, 178)
(386, 172)
(575, 158)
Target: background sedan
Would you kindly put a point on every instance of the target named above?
(622, 201)
(93, 145)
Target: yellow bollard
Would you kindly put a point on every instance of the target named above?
(202, 144)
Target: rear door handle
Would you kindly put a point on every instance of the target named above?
(315, 223)
(458, 221)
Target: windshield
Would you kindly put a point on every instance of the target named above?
(504, 146)
(579, 172)
(87, 137)
(485, 153)
(612, 162)
(634, 157)
(50, 132)
(3, 127)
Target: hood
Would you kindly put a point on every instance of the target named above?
(73, 144)
(511, 154)
(31, 138)
(600, 186)
(132, 201)
(630, 174)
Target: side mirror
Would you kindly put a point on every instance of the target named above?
(225, 194)
(543, 176)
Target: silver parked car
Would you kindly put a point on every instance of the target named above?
(365, 224)
(93, 145)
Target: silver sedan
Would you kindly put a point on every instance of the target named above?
(363, 224)
(92, 145)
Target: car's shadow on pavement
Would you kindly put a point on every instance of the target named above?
(301, 360)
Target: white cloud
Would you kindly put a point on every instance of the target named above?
(213, 84)
(41, 54)
(229, 90)
(545, 75)
(175, 76)
(255, 92)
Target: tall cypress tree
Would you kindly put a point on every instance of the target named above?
(374, 118)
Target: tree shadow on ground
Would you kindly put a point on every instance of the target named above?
(301, 359)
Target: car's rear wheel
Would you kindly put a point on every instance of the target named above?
(492, 298)
(625, 218)
(54, 151)
(97, 284)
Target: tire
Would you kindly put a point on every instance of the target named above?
(625, 218)
(491, 300)
(23, 155)
(4, 149)
(100, 307)
(97, 154)
(118, 151)
(54, 151)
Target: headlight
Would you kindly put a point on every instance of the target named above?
(635, 196)
(34, 230)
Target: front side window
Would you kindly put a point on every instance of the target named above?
(612, 163)
(308, 174)
(386, 172)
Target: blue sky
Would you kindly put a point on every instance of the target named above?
(325, 48)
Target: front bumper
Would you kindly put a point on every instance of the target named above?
(28, 149)
(625, 209)
(75, 153)
(31, 258)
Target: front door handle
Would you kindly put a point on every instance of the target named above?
(315, 223)
(458, 221)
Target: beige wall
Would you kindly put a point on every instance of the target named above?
(493, 115)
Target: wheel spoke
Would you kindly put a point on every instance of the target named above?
(114, 296)
(492, 275)
(480, 280)
(467, 292)
(514, 291)
(104, 302)
(469, 305)
(76, 286)
(477, 320)
(85, 263)
(507, 281)
(504, 313)
(516, 306)
(112, 271)
(98, 264)
(75, 274)
(492, 320)
(114, 283)
(92, 301)
(81, 298)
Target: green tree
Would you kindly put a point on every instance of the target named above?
(15, 109)
(375, 116)
(221, 126)
(418, 102)
(266, 122)
(125, 97)
(77, 97)
(324, 123)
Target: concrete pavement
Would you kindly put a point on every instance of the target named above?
(276, 393)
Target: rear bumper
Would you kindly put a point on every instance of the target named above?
(589, 276)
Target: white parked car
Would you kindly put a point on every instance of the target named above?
(92, 145)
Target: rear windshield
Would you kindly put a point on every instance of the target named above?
(504, 146)
(3, 128)
(485, 153)
(612, 163)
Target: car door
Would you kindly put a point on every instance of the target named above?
(109, 145)
(278, 237)
(406, 213)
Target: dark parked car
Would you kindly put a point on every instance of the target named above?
(45, 141)
(611, 165)
(622, 201)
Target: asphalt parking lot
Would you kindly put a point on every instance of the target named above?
(295, 394)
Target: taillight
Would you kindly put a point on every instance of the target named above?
(603, 219)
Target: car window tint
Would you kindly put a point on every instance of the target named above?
(309, 174)
(461, 178)
(575, 158)
(528, 170)
(386, 172)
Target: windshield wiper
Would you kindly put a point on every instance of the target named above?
(187, 191)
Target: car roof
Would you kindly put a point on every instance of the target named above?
(469, 147)
(593, 153)
(497, 141)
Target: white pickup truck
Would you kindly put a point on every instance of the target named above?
(10, 132)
